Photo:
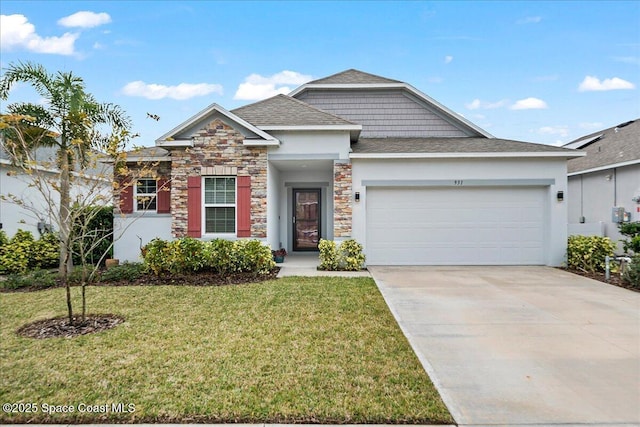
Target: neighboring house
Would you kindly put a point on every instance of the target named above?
(607, 177)
(33, 212)
(359, 156)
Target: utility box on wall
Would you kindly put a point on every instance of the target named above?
(619, 215)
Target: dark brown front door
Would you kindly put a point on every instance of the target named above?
(306, 219)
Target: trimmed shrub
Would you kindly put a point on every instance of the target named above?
(3, 238)
(128, 271)
(98, 232)
(251, 256)
(155, 255)
(22, 252)
(351, 257)
(218, 256)
(328, 255)
(346, 256)
(587, 253)
(632, 273)
(188, 255)
(36, 278)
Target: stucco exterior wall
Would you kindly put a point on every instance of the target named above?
(14, 216)
(593, 195)
(135, 230)
(467, 169)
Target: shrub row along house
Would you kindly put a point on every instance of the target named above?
(352, 155)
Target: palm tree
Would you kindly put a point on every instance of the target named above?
(70, 120)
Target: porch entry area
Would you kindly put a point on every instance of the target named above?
(307, 214)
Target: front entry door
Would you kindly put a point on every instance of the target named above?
(306, 219)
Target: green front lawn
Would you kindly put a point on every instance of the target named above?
(323, 350)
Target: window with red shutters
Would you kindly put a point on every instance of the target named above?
(126, 196)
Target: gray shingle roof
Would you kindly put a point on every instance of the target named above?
(353, 76)
(283, 110)
(450, 145)
(617, 145)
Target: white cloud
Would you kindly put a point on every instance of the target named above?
(179, 92)
(529, 104)
(563, 131)
(591, 83)
(85, 19)
(256, 87)
(448, 59)
(529, 20)
(477, 104)
(16, 32)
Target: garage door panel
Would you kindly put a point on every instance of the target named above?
(481, 226)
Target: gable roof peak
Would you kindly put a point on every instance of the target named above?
(353, 76)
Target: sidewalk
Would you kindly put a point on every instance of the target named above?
(306, 264)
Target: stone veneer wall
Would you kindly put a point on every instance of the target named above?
(342, 194)
(218, 150)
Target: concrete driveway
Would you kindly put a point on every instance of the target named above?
(521, 345)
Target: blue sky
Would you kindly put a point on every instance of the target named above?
(546, 72)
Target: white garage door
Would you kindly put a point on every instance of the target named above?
(455, 226)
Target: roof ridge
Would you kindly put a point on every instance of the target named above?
(352, 73)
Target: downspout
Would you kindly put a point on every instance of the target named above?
(615, 187)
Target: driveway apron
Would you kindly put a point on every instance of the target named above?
(521, 345)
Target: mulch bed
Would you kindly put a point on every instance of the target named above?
(614, 278)
(59, 327)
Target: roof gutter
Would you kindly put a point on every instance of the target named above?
(544, 154)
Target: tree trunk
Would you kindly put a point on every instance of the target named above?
(65, 234)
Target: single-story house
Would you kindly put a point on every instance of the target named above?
(604, 185)
(354, 155)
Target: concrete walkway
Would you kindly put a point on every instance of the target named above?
(521, 345)
(306, 264)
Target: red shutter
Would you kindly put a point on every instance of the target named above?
(164, 196)
(243, 211)
(194, 206)
(126, 195)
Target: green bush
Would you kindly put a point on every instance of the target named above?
(351, 257)
(632, 231)
(188, 255)
(251, 256)
(36, 278)
(75, 276)
(22, 252)
(128, 271)
(632, 273)
(587, 253)
(98, 235)
(218, 256)
(154, 254)
(46, 252)
(346, 256)
(328, 255)
(3, 238)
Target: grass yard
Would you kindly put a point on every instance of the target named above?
(313, 350)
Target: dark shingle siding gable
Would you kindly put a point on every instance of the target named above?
(382, 113)
(613, 147)
(449, 145)
(353, 76)
(282, 110)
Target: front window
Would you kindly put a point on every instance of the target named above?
(220, 204)
(146, 194)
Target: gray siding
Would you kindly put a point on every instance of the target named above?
(383, 113)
